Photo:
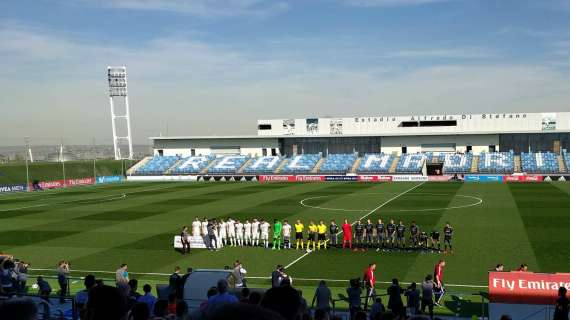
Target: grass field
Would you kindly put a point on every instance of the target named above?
(99, 227)
(15, 173)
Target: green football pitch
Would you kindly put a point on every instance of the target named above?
(99, 227)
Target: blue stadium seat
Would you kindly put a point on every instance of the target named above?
(193, 165)
(376, 163)
(567, 161)
(229, 164)
(540, 162)
(496, 162)
(263, 165)
(456, 162)
(338, 163)
(157, 165)
(411, 163)
(301, 164)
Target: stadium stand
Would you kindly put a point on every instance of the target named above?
(456, 162)
(338, 163)
(376, 163)
(411, 163)
(540, 162)
(301, 164)
(496, 162)
(192, 165)
(567, 160)
(157, 165)
(229, 164)
(263, 165)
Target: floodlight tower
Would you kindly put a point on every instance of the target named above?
(117, 77)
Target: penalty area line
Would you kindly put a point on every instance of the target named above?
(363, 217)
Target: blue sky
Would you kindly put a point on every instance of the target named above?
(214, 67)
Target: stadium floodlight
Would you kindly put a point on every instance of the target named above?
(117, 77)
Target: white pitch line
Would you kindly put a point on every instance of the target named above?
(256, 277)
(361, 218)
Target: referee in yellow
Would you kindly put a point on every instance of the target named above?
(322, 229)
(312, 235)
(299, 227)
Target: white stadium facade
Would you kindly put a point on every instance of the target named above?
(476, 133)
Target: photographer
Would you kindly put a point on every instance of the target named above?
(353, 293)
(21, 271)
(413, 299)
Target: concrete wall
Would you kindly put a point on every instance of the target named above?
(479, 143)
(183, 147)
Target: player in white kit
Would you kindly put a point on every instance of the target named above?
(196, 225)
(222, 232)
(231, 231)
(239, 233)
(218, 228)
(247, 233)
(264, 226)
(205, 227)
(286, 235)
(255, 233)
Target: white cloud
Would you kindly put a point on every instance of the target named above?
(389, 3)
(444, 53)
(57, 87)
(202, 8)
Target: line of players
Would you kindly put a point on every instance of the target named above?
(390, 236)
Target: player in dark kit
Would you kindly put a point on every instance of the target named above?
(447, 235)
(380, 234)
(391, 233)
(435, 240)
(423, 242)
(369, 227)
(414, 234)
(333, 230)
(359, 235)
(401, 235)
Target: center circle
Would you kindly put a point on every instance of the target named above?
(467, 201)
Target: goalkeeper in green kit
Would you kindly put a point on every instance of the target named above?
(277, 228)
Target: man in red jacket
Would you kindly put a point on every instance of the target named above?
(346, 234)
(369, 283)
(438, 281)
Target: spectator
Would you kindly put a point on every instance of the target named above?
(81, 296)
(255, 298)
(360, 315)
(323, 298)
(506, 317)
(6, 283)
(222, 298)
(562, 305)
(44, 288)
(284, 300)
(147, 298)
(122, 278)
(243, 311)
(21, 270)
(500, 267)
(427, 296)
(181, 310)
(377, 309)
(395, 302)
(180, 291)
(139, 312)
(133, 295)
(321, 314)
(244, 295)
(63, 279)
(174, 280)
(172, 304)
(239, 274)
(106, 302)
(413, 296)
(160, 309)
(353, 292)
(18, 309)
